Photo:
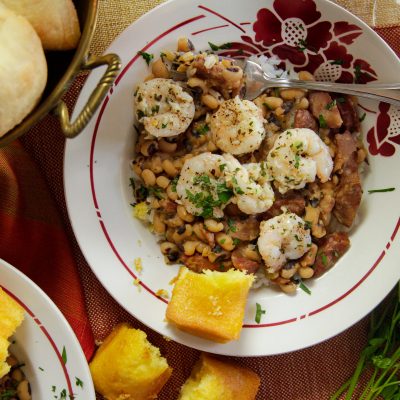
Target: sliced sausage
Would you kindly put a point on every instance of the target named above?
(198, 263)
(324, 109)
(294, 203)
(240, 261)
(304, 119)
(243, 229)
(348, 111)
(348, 192)
(330, 249)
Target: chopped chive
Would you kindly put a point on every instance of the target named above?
(361, 119)
(259, 313)
(381, 190)
(324, 259)
(331, 104)
(78, 382)
(322, 121)
(64, 355)
(224, 46)
(303, 287)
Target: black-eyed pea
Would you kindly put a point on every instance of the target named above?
(189, 247)
(211, 146)
(167, 147)
(148, 177)
(210, 101)
(309, 258)
(292, 94)
(156, 164)
(184, 44)
(306, 76)
(272, 275)
(272, 103)
(202, 247)
(279, 111)
(288, 287)
(17, 375)
(148, 147)
(213, 226)
(198, 229)
(183, 214)
(182, 233)
(212, 257)
(159, 69)
(287, 273)
(155, 204)
(171, 192)
(225, 241)
(305, 272)
(23, 390)
(136, 169)
(178, 163)
(197, 82)
(162, 181)
(169, 168)
(232, 75)
(174, 222)
(303, 104)
(251, 253)
(158, 224)
(168, 247)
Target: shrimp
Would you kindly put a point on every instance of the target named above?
(250, 184)
(201, 187)
(163, 107)
(237, 127)
(283, 238)
(297, 157)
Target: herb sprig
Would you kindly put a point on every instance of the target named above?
(381, 358)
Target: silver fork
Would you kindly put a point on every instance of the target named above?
(256, 81)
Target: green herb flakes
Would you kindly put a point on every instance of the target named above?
(224, 46)
(146, 56)
(361, 119)
(78, 382)
(382, 190)
(322, 121)
(304, 288)
(331, 104)
(64, 355)
(259, 313)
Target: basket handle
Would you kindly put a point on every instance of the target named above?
(72, 129)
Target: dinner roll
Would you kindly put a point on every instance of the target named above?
(23, 69)
(55, 21)
(127, 366)
(214, 379)
(210, 304)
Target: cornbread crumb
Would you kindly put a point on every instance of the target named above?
(136, 282)
(162, 293)
(128, 366)
(138, 264)
(210, 304)
(213, 379)
(141, 211)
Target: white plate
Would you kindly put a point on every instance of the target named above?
(42, 339)
(97, 171)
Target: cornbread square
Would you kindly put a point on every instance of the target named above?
(128, 366)
(11, 315)
(210, 304)
(212, 379)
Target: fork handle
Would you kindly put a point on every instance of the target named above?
(372, 91)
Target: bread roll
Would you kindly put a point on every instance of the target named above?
(211, 304)
(127, 366)
(214, 379)
(55, 21)
(23, 69)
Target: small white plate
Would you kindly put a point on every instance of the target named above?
(54, 363)
(97, 169)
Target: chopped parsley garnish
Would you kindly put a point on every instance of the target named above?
(64, 355)
(303, 287)
(231, 225)
(337, 62)
(381, 190)
(8, 394)
(140, 114)
(174, 182)
(41, 369)
(202, 130)
(322, 121)
(331, 104)
(163, 126)
(307, 225)
(297, 161)
(78, 382)
(224, 46)
(156, 192)
(324, 259)
(146, 56)
(236, 188)
(222, 167)
(361, 119)
(263, 169)
(259, 313)
(236, 241)
(155, 109)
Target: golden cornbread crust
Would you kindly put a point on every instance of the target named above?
(127, 366)
(230, 381)
(210, 304)
(11, 316)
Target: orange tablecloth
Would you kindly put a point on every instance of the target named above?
(36, 236)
